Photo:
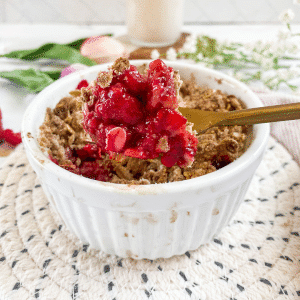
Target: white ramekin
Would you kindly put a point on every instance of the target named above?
(145, 221)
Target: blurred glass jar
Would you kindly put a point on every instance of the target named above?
(154, 23)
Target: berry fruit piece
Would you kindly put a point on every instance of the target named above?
(7, 135)
(221, 161)
(133, 80)
(135, 115)
(81, 84)
(11, 137)
(170, 120)
(115, 139)
(118, 106)
(88, 151)
(161, 92)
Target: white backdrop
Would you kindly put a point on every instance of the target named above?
(88, 12)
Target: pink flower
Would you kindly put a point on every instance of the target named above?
(72, 68)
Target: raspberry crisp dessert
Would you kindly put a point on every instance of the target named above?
(124, 127)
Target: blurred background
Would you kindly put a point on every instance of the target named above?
(110, 12)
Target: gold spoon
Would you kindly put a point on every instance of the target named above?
(206, 119)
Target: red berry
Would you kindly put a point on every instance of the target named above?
(133, 80)
(221, 161)
(170, 120)
(88, 151)
(161, 87)
(169, 159)
(135, 152)
(119, 107)
(53, 159)
(149, 145)
(186, 160)
(115, 139)
(94, 170)
(100, 136)
(81, 84)
(157, 66)
(12, 138)
(8, 135)
(90, 123)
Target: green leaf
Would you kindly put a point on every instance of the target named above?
(31, 79)
(68, 52)
(76, 44)
(52, 51)
(35, 80)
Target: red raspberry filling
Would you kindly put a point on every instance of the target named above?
(81, 84)
(135, 115)
(91, 164)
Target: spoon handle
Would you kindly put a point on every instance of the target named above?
(262, 115)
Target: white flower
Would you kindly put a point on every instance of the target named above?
(256, 57)
(171, 54)
(267, 63)
(230, 73)
(296, 2)
(200, 56)
(239, 75)
(188, 48)
(226, 51)
(274, 82)
(191, 39)
(286, 16)
(283, 74)
(190, 45)
(219, 58)
(283, 34)
(238, 55)
(246, 52)
(295, 70)
(193, 49)
(293, 48)
(278, 49)
(267, 75)
(260, 46)
(155, 54)
(226, 43)
(249, 47)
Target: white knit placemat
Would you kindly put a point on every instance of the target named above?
(255, 257)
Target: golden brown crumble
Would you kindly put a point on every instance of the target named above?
(120, 65)
(104, 79)
(142, 69)
(63, 127)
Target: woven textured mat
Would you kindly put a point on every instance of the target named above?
(255, 257)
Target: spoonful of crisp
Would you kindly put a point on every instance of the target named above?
(206, 119)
